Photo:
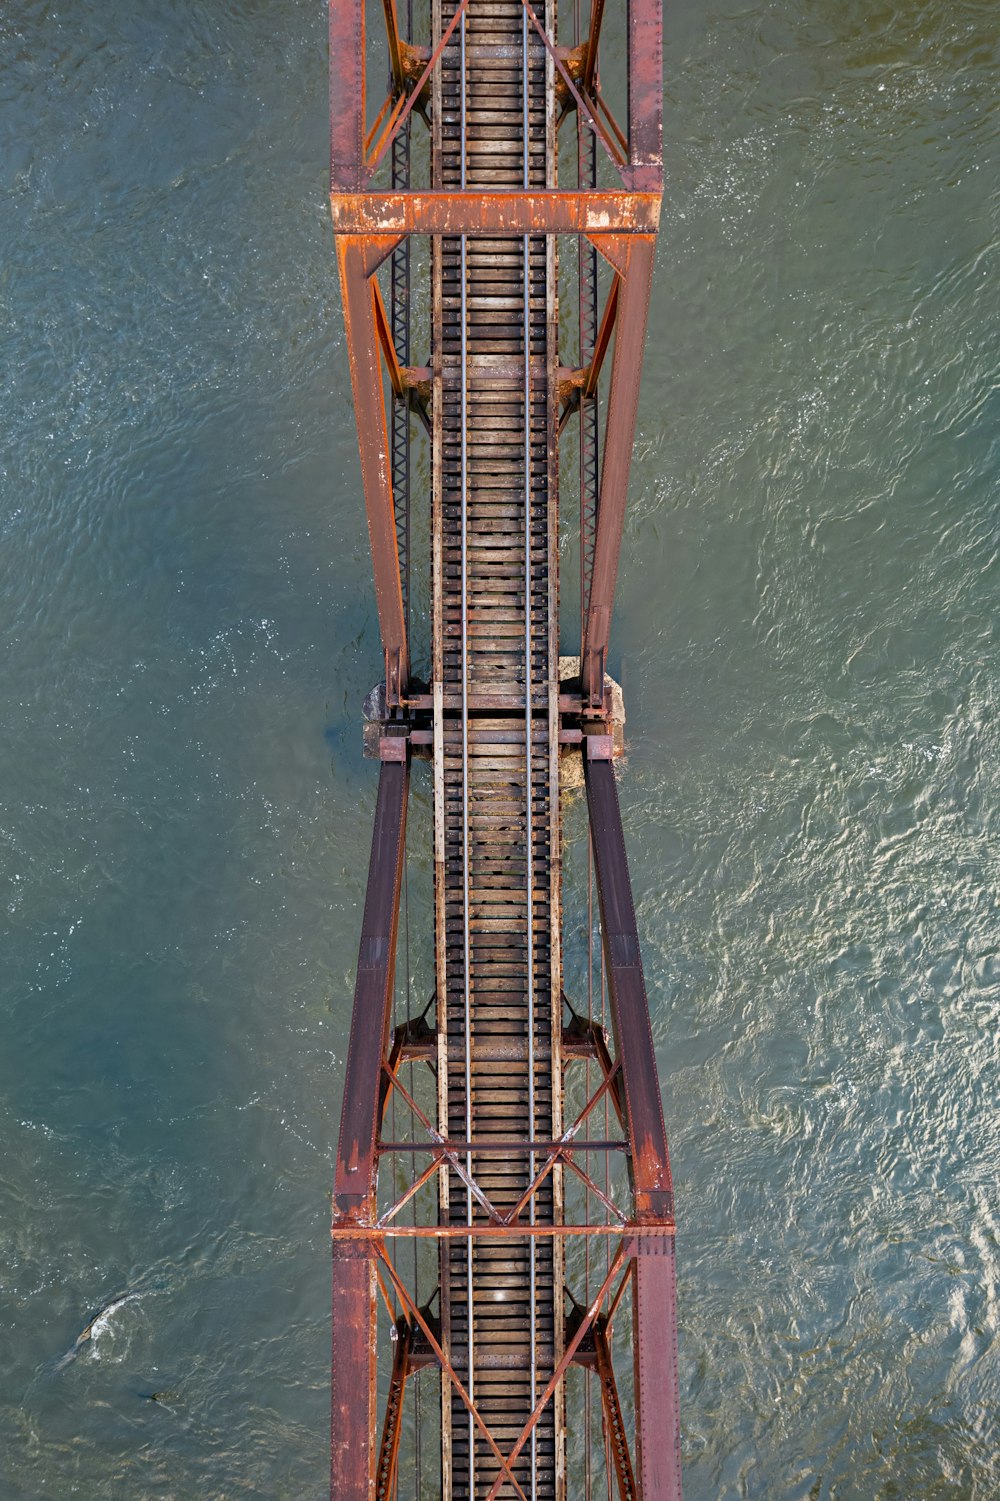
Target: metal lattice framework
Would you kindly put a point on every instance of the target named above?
(524, 1201)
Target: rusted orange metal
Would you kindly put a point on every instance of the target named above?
(558, 213)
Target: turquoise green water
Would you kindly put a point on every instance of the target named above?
(807, 639)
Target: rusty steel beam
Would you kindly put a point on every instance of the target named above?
(582, 103)
(489, 1147)
(347, 95)
(404, 105)
(616, 1437)
(392, 1426)
(395, 45)
(616, 130)
(603, 340)
(645, 95)
(623, 401)
(632, 1232)
(657, 1397)
(588, 1039)
(592, 45)
(357, 1158)
(361, 325)
(652, 1185)
(657, 1384)
(354, 1371)
(386, 344)
(557, 213)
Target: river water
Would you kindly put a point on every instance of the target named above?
(807, 638)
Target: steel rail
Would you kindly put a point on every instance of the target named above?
(529, 802)
(587, 320)
(469, 1258)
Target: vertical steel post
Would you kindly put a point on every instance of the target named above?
(592, 45)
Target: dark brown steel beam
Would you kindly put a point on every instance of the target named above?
(652, 1185)
(624, 213)
(657, 1399)
(353, 1413)
(623, 400)
(361, 327)
(355, 1180)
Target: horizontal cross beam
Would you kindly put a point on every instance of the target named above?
(435, 213)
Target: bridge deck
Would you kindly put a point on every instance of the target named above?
(495, 588)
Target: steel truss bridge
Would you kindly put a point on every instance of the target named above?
(503, 1220)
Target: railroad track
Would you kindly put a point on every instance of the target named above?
(495, 606)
